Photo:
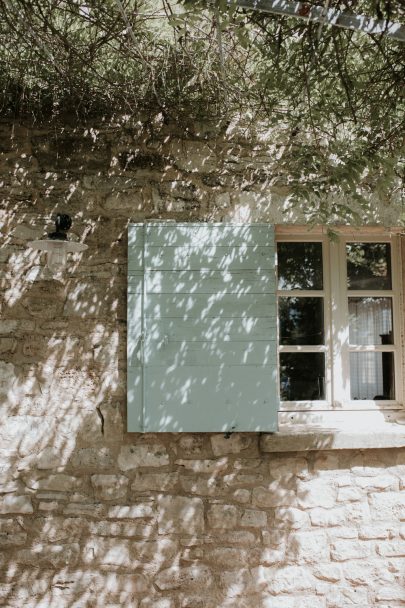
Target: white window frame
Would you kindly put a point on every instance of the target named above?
(335, 294)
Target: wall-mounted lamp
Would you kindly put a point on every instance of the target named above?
(57, 246)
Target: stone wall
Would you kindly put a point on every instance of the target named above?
(94, 517)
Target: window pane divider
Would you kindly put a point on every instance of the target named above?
(301, 293)
(298, 348)
(370, 293)
(372, 348)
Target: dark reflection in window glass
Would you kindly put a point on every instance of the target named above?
(299, 266)
(301, 321)
(370, 321)
(302, 376)
(372, 376)
(368, 265)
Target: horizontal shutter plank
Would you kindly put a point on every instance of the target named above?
(177, 354)
(136, 236)
(210, 281)
(201, 306)
(212, 329)
(207, 234)
(135, 283)
(135, 260)
(207, 257)
(236, 396)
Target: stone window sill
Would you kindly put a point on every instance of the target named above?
(305, 438)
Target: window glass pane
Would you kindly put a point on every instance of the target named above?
(368, 265)
(301, 321)
(372, 376)
(302, 376)
(299, 266)
(370, 321)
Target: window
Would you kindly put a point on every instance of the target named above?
(338, 321)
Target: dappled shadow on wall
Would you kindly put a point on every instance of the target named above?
(91, 516)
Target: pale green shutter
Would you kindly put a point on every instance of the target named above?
(201, 328)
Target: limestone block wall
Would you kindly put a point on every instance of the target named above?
(94, 517)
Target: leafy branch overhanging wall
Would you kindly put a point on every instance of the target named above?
(335, 100)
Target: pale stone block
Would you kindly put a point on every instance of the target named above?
(349, 494)
(134, 456)
(11, 533)
(192, 555)
(391, 549)
(48, 506)
(58, 482)
(210, 486)
(284, 579)
(292, 518)
(307, 547)
(15, 504)
(375, 532)
(222, 200)
(243, 479)
(234, 444)
(125, 201)
(346, 549)
(109, 487)
(145, 481)
(392, 593)
(343, 532)
(357, 513)
(49, 459)
(269, 556)
(180, 514)
(358, 573)
(328, 572)
(318, 492)
(239, 538)
(85, 510)
(387, 505)
(346, 596)
(274, 495)
(222, 516)
(226, 557)
(8, 326)
(57, 528)
(365, 471)
(7, 378)
(116, 552)
(286, 466)
(140, 510)
(241, 495)
(9, 487)
(90, 458)
(196, 577)
(236, 583)
(253, 519)
(193, 446)
(29, 232)
(203, 466)
(50, 555)
(129, 529)
(380, 482)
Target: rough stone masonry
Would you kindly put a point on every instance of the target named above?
(94, 517)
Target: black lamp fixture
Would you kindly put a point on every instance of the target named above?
(57, 245)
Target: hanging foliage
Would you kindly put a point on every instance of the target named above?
(334, 97)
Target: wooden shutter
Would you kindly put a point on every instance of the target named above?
(201, 328)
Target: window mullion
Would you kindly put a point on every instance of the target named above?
(339, 318)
